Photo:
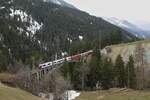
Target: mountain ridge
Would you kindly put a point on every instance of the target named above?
(61, 3)
(34, 31)
(130, 27)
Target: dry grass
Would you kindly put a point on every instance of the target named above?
(115, 95)
(127, 49)
(7, 77)
(130, 43)
(9, 93)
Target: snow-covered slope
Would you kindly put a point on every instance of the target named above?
(61, 3)
(145, 25)
(24, 17)
(24, 21)
(71, 94)
(134, 28)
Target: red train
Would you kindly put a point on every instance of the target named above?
(73, 58)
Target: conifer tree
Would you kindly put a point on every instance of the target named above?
(95, 67)
(120, 72)
(131, 77)
(3, 62)
(107, 74)
(66, 71)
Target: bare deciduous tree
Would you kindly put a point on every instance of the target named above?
(55, 83)
(140, 65)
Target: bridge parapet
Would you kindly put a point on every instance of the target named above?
(38, 74)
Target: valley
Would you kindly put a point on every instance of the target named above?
(51, 49)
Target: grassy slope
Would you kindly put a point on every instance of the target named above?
(107, 95)
(9, 93)
(127, 49)
(130, 43)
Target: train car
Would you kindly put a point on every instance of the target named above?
(58, 61)
(42, 66)
(61, 60)
(45, 65)
(76, 57)
(68, 58)
(87, 53)
(49, 64)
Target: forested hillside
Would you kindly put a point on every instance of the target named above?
(33, 31)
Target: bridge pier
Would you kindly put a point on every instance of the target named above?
(38, 74)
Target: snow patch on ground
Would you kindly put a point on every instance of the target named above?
(39, 41)
(80, 37)
(2, 8)
(11, 1)
(33, 24)
(70, 40)
(53, 1)
(20, 29)
(71, 94)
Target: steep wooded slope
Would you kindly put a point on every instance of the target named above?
(34, 30)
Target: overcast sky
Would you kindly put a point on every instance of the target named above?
(124, 9)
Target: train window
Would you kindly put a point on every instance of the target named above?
(47, 70)
(49, 63)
